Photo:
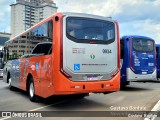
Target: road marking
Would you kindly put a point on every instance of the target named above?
(38, 108)
(155, 108)
(5, 118)
(47, 106)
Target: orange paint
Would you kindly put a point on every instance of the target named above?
(48, 78)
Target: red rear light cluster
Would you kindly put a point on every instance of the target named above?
(131, 56)
(61, 51)
(118, 45)
(115, 73)
(118, 51)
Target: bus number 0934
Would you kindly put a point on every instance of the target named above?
(107, 51)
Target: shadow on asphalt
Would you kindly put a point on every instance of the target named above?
(79, 104)
(17, 91)
(138, 88)
(61, 102)
(130, 88)
(154, 81)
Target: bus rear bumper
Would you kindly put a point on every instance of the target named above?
(131, 76)
(71, 87)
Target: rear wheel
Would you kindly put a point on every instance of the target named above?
(31, 91)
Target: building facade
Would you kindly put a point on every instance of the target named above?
(26, 13)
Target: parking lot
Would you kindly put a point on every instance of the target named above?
(135, 96)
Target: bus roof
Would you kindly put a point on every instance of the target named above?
(158, 45)
(67, 14)
(136, 36)
(87, 15)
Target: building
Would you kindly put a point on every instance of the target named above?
(4, 37)
(26, 13)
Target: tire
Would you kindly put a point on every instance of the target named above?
(10, 84)
(31, 91)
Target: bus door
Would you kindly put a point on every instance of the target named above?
(15, 72)
(122, 52)
(142, 56)
(22, 71)
(46, 74)
(158, 60)
(44, 66)
(24, 65)
(123, 61)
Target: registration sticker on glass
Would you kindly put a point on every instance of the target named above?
(92, 78)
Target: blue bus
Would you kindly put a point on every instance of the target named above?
(158, 60)
(138, 59)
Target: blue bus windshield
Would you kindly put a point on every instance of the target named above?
(143, 45)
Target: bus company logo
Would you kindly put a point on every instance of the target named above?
(92, 56)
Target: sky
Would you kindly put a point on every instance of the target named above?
(135, 17)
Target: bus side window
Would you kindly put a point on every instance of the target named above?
(122, 49)
(46, 49)
(50, 30)
(50, 34)
(157, 52)
(37, 50)
(50, 51)
(43, 49)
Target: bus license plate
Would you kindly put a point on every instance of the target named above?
(92, 78)
(144, 73)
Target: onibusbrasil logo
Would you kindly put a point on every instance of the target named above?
(92, 56)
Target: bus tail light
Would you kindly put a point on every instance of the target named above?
(61, 52)
(153, 69)
(65, 73)
(154, 57)
(131, 58)
(118, 51)
(115, 73)
(118, 46)
(132, 68)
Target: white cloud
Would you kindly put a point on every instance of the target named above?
(139, 17)
(5, 15)
(122, 9)
(103, 7)
(141, 27)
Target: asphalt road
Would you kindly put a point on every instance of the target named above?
(137, 96)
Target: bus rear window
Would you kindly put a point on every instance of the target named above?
(83, 30)
(143, 45)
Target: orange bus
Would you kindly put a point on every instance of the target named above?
(67, 53)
